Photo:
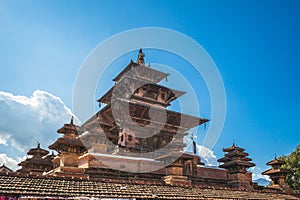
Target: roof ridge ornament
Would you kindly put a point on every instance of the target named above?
(140, 59)
(72, 120)
(194, 144)
(233, 143)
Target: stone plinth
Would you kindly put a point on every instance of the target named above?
(177, 180)
(98, 148)
(175, 169)
(240, 180)
(69, 159)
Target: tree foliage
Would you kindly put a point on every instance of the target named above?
(292, 162)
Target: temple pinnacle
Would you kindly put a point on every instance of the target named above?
(140, 60)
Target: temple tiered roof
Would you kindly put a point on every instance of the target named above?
(38, 151)
(235, 159)
(275, 162)
(277, 173)
(70, 139)
(138, 70)
(170, 94)
(37, 163)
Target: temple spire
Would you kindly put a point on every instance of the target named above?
(140, 60)
(194, 145)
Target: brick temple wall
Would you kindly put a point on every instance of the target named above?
(213, 173)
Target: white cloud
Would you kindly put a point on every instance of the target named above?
(3, 139)
(207, 156)
(9, 162)
(256, 173)
(26, 120)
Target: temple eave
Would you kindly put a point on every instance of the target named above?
(276, 171)
(63, 141)
(232, 148)
(132, 65)
(234, 163)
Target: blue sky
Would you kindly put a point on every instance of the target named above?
(255, 45)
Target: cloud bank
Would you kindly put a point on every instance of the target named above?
(256, 173)
(9, 162)
(207, 155)
(24, 121)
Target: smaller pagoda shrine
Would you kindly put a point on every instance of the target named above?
(37, 164)
(277, 173)
(237, 163)
(69, 148)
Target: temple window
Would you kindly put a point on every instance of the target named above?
(129, 138)
(187, 169)
(163, 96)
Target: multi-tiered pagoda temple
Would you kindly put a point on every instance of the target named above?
(135, 121)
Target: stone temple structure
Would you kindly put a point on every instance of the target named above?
(133, 148)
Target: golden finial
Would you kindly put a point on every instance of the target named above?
(140, 60)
